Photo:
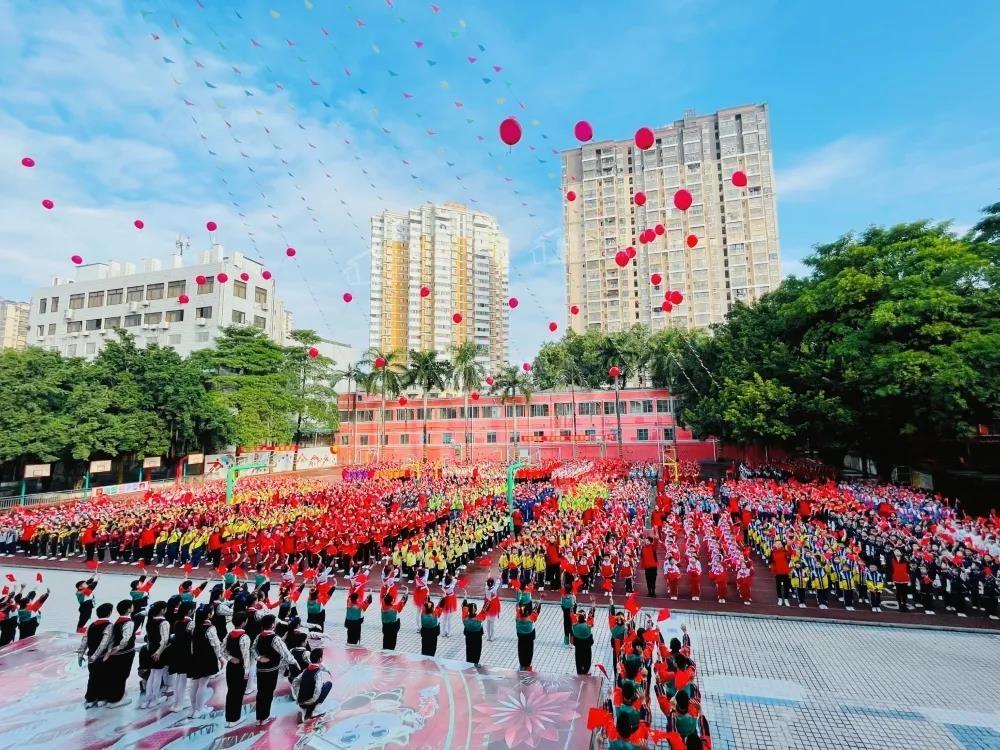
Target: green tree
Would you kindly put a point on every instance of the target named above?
(355, 375)
(511, 382)
(428, 373)
(315, 398)
(467, 373)
(988, 228)
(385, 381)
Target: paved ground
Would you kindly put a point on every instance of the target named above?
(768, 682)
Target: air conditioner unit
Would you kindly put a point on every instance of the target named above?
(86, 333)
(133, 306)
(202, 322)
(263, 307)
(68, 315)
(145, 303)
(164, 325)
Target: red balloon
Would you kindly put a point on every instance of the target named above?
(513, 302)
(676, 297)
(489, 380)
(222, 278)
(659, 229)
(570, 196)
(456, 318)
(583, 131)
(692, 240)
(183, 299)
(348, 296)
(621, 258)
(313, 352)
(630, 252)
(290, 252)
(574, 310)
(644, 138)
(47, 203)
(666, 306)
(138, 223)
(402, 401)
(740, 178)
(553, 326)
(211, 226)
(655, 279)
(266, 275)
(244, 276)
(510, 131)
(200, 280)
(379, 363)
(526, 367)
(683, 199)
(425, 291)
(76, 259)
(474, 395)
(614, 372)
(27, 161)
(639, 199)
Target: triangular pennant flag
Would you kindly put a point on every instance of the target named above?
(432, 63)
(487, 80)
(210, 85)
(168, 61)
(664, 614)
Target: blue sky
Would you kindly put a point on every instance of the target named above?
(313, 115)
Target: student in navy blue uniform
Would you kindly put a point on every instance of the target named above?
(207, 657)
(237, 668)
(154, 654)
(120, 655)
(96, 641)
(180, 651)
(312, 686)
(270, 652)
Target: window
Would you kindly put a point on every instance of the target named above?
(491, 437)
(239, 317)
(175, 289)
(112, 323)
(538, 433)
(590, 434)
(55, 304)
(260, 295)
(448, 412)
(565, 433)
(94, 324)
(41, 330)
(539, 410)
(71, 350)
(509, 411)
(95, 299)
(208, 287)
(91, 348)
(589, 408)
(404, 439)
(133, 294)
(203, 313)
(43, 304)
(364, 440)
(489, 412)
(564, 409)
(515, 437)
(52, 329)
(446, 439)
(668, 433)
(152, 340)
(609, 407)
(344, 439)
(153, 319)
(642, 435)
(641, 407)
(154, 291)
(259, 322)
(664, 406)
(469, 438)
(175, 339)
(131, 321)
(201, 336)
(240, 289)
(114, 296)
(175, 316)
(473, 412)
(76, 302)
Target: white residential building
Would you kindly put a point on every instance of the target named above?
(461, 256)
(736, 255)
(13, 324)
(75, 317)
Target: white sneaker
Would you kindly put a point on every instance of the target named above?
(962, 614)
(823, 606)
(89, 704)
(722, 601)
(673, 598)
(928, 611)
(994, 617)
(696, 598)
(849, 609)
(747, 603)
(119, 704)
(781, 602)
(802, 605)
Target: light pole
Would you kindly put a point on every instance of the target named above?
(614, 374)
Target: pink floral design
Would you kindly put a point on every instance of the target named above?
(527, 716)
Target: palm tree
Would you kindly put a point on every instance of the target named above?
(567, 373)
(509, 383)
(354, 375)
(428, 373)
(386, 381)
(466, 376)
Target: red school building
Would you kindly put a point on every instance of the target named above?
(539, 429)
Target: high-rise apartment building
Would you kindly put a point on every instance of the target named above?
(75, 317)
(13, 324)
(734, 230)
(462, 258)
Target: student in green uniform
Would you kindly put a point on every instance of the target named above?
(430, 628)
(355, 615)
(390, 619)
(568, 605)
(583, 641)
(472, 622)
(525, 627)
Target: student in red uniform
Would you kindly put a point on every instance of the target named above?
(899, 570)
(782, 573)
(647, 558)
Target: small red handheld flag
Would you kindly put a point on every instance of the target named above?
(187, 569)
(632, 605)
(92, 564)
(38, 577)
(663, 615)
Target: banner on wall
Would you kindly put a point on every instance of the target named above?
(217, 464)
(121, 489)
(99, 467)
(282, 461)
(321, 457)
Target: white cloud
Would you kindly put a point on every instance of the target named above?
(821, 170)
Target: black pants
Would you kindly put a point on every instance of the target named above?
(353, 631)
(27, 628)
(390, 631)
(567, 623)
(584, 654)
(236, 685)
(525, 649)
(119, 668)
(927, 599)
(901, 591)
(473, 647)
(96, 682)
(429, 640)
(8, 629)
(266, 683)
(650, 581)
(324, 691)
(783, 586)
(86, 610)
